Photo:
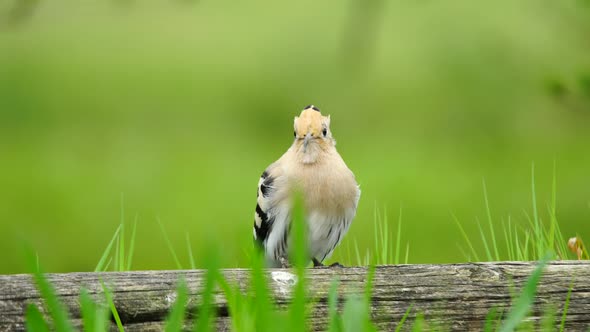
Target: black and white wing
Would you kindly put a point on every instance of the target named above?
(272, 216)
(262, 222)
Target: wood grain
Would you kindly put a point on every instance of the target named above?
(454, 296)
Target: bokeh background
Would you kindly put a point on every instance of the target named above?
(178, 106)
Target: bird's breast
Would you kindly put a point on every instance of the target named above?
(329, 190)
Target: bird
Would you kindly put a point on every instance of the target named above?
(312, 168)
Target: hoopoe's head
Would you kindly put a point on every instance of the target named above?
(312, 133)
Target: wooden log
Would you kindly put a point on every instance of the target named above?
(455, 296)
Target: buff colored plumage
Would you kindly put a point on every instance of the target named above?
(330, 192)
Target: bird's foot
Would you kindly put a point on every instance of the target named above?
(317, 264)
(284, 263)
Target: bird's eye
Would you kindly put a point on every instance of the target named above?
(325, 132)
(294, 134)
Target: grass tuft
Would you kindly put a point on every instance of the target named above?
(57, 311)
(566, 307)
(521, 243)
(34, 321)
(177, 313)
(111, 304)
(401, 323)
(169, 244)
(522, 305)
(94, 317)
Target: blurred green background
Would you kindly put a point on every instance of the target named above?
(180, 105)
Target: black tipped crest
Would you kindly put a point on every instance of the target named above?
(312, 107)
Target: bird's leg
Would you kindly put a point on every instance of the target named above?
(317, 263)
(284, 263)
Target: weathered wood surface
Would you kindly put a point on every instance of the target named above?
(457, 295)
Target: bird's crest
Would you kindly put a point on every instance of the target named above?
(311, 121)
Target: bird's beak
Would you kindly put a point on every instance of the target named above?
(306, 141)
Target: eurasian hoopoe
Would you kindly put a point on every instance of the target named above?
(330, 192)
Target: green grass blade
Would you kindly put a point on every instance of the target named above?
(353, 309)
(235, 301)
(548, 318)
(485, 243)
(464, 234)
(418, 323)
(526, 299)
(511, 251)
(108, 265)
(101, 263)
(88, 311)
(34, 320)
(539, 241)
(385, 240)
(490, 222)
(376, 231)
(190, 252)
(358, 253)
(491, 318)
(121, 247)
(177, 313)
(94, 317)
(526, 246)
(561, 243)
(407, 253)
(399, 236)
(507, 240)
(206, 313)
(116, 260)
(169, 244)
(400, 325)
(552, 214)
(566, 307)
(57, 311)
(252, 312)
(132, 244)
(300, 256)
(335, 324)
(518, 249)
(111, 304)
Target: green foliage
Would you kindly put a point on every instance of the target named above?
(177, 313)
(384, 251)
(521, 244)
(521, 307)
(299, 256)
(121, 262)
(400, 325)
(111, 304)
(94, 317)
(335, 324)
(254, 310)
(56, 310)
(34, 321)
(565, 307)
(103, 263)
(491, 319)
(169, 244)
(419, 324)
(206, 314)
